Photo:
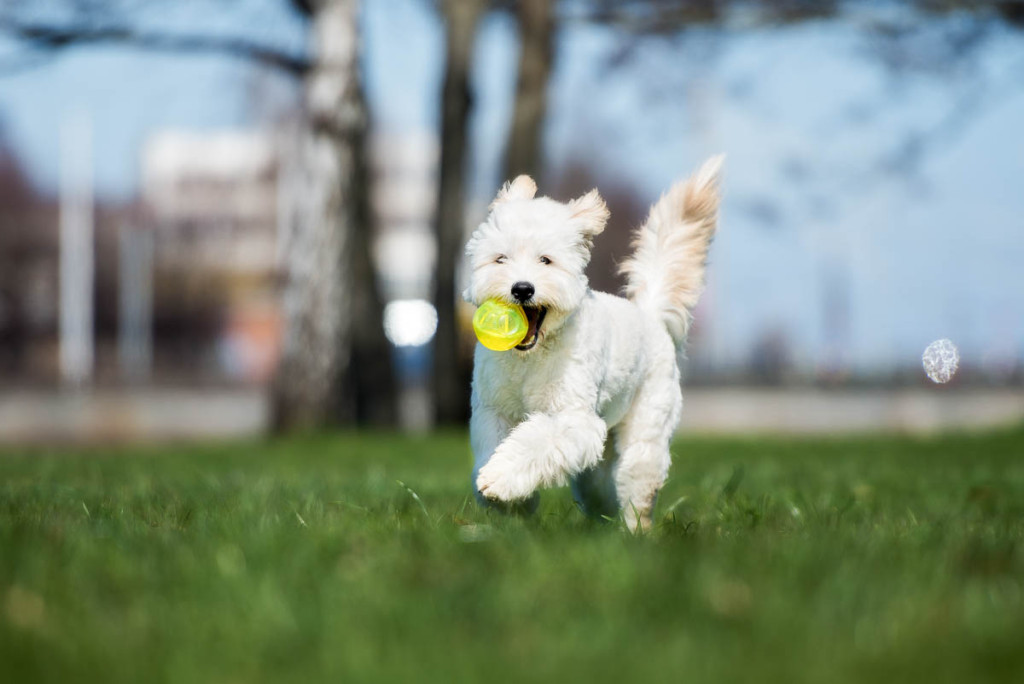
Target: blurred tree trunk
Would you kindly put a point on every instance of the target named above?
(451, 368)
(370, 376)
(335, 364)
(536, 29)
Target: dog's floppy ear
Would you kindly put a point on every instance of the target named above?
(521, 188)
(590, 213)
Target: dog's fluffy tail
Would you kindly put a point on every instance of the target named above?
(665, 275)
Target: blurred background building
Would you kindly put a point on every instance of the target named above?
(210, 201)
(871, 205)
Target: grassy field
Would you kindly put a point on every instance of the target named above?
(833, 560)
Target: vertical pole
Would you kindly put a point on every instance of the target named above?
(135, 303)
(76, 251)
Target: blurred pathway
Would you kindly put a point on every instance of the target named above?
(100, 416)
(131, 415)
(803, 410)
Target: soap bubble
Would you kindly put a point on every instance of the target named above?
(940, 360)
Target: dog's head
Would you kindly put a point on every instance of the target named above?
(533, 251)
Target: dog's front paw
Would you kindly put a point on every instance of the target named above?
(501, 479)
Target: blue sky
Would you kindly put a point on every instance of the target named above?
(810, 117)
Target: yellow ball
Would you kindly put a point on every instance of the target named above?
(500, 326)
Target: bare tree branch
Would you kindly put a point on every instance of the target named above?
(45, 37)
(642, 17)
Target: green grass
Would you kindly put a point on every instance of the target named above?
(832, 560)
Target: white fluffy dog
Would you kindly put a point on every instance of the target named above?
(594, 368)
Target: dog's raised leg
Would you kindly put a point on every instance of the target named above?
(486, 431)
(542, 451)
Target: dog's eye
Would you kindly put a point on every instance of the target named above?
(544, 260)
(501, 259)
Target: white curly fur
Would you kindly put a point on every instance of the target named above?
(666, 272)
(604, 366)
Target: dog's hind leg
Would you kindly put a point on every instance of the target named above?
(639, 475)
(594, 488)
(642, 440)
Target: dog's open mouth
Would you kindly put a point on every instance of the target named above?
(534, 319)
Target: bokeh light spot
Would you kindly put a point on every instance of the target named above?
(410, 322)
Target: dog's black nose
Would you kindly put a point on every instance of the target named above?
(522, 290)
